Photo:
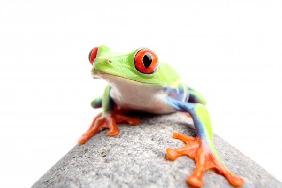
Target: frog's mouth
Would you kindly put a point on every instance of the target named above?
(108, 77)
(103, 75)
(113, 79)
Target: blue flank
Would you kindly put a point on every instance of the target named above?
(178, 99)
(178, 93)
(191, 109)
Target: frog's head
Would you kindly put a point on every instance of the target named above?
(140, 65)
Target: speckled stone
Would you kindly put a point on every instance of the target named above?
(136, 158)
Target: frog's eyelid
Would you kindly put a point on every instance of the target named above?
(139, 49)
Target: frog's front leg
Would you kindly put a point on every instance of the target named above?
(108, 119)
(200, 148)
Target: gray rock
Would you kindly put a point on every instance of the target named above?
(136, 158)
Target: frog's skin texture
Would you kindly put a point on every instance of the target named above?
(139, 82)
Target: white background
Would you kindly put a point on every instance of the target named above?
(231, 51)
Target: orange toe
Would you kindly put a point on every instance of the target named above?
(83, 139)
(171, 154)
(234, 180)
(194, 181)
(112, 126)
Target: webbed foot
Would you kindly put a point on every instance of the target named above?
(109, 122)
(205, 159)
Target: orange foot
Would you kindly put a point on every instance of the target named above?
(199, 151)
(110, 122)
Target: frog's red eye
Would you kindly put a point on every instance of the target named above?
(92, 55)
(146, 61)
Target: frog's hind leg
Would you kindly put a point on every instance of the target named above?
(200, 148)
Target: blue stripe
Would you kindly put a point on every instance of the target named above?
(190, 108)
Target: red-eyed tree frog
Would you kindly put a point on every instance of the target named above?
(139, 82)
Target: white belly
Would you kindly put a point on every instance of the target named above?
(132, 95)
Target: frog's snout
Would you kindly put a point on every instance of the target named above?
(100, 65)
(103, 61)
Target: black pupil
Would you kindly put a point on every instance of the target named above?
(147, 60)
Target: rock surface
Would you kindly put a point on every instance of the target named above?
(136, 158)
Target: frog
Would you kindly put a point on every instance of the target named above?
(138, 81)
